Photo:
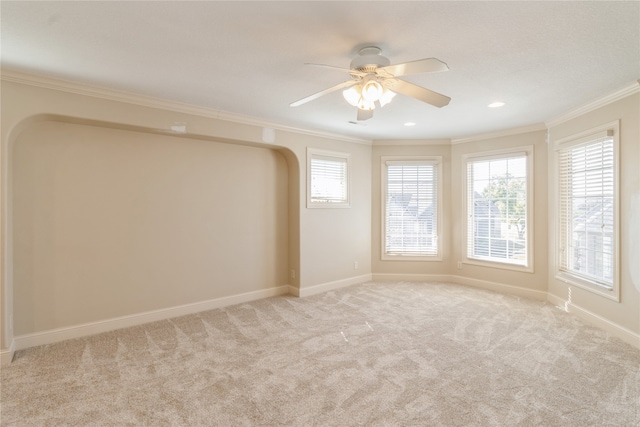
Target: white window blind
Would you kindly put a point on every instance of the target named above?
(587, 210)
(411, 208)
(328, 177)
(497, 209)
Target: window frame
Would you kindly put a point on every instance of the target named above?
(528, 152)
(582, 138)
(436, 161)
(339, 156)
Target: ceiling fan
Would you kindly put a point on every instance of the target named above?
(374, 82)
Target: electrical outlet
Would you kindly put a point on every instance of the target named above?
(460, 265)
(293, 274)
(355, 265)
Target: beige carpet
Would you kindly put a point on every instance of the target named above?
(401, 354)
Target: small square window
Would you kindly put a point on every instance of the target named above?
(327, 179)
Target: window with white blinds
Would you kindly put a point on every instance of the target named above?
(411, 219)
(328, 179)
(587, 209)
(498, 207)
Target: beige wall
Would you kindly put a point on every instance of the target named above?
(334, 232)
(625, 313)
(110, 223)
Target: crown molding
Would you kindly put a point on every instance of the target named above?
(151, 102)
(249, 120)
(500, 133)
(163, 104)
(595, 104)
(397, 142)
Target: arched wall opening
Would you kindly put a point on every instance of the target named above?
(107, 222)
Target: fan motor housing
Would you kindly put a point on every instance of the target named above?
(369, 59)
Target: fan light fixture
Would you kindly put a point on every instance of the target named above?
(371, 89)
(365, 95)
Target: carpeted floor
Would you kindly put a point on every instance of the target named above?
(375, 354)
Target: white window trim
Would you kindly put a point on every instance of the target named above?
(437, 160)
(528, 151)
(567, 277)
(338, 155)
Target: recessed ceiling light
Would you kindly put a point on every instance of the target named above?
(495, 104)
(410, 124)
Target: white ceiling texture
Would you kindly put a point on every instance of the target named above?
(541, 59)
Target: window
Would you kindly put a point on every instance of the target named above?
(587, 216)
(327, 179)
(411, 189)
(498, 209)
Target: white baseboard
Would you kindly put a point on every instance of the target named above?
(6, 356)
(293, 290)
(329, 286)
(461, 280)
(501, 288)
(614, 329)
(77, 331)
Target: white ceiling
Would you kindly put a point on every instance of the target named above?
(541, 58)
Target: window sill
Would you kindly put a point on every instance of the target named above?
(427, 258)
(499, 265)
(318, 205)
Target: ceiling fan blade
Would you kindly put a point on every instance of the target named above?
(354, 73)
(323, 92)
(427, 65)
(422, 94)
(364, 114)
(327, 66)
